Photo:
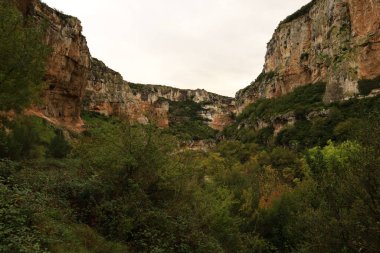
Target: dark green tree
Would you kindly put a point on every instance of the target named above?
(22, 58)
(59, 147)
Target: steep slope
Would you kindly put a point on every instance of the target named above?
(331, 41)
(328, 41)
(108, 94)
(68, 66)
(77, 82)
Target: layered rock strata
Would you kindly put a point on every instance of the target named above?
(331, 41)
(107, 93)
(76, 81)
(68, 66)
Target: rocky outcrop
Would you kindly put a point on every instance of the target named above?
(218, 110)
(76, 81)
(107, 93)
(332, 41)
(68, 66)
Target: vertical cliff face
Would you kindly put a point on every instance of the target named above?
(67, 68)
(217, 110)
(77, 82)
(331, 41)
(107, 93)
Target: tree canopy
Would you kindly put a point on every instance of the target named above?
(22, 58)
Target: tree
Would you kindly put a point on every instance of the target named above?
(59, 147)
(22, 57)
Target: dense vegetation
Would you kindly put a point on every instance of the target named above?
(313, 186)
(366, 86)
(187, 123)
(21, 58)
(124, 188)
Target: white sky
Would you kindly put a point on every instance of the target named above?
(217, 45)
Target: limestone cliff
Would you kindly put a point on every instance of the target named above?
(218, 110)
(68, 66)
(107, 93)
(331, 41)
(77, 82)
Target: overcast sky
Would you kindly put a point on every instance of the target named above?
(217, 45)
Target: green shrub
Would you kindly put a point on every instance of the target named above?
(8, 168)
(16, 232)
(23, 139)
(367, 85)
(186, 122)
(3, 143)
(58, 147)
(22, 60)
(302, 98)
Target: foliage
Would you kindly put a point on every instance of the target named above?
(118, 187)
(16, 234)
(22, 58)
(186, 121)
(367, 85)
(58, 146)
(126, 188)
(25, 138)
(301, 99)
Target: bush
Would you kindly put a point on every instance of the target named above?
(16, 232)
(58, 147)
(8, 168)
(187, 123)
(23, 139)
(367, 85)
(301, 99)
(22, 60)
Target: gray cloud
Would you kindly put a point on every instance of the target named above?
(217, 45)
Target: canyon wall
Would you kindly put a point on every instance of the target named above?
(68, 66)
(108, 94)
(332, 41)
(77, 82)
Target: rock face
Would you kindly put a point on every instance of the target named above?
(76, 81)
(107, 93)
(68, 66)
(217, 110)
(331, 41)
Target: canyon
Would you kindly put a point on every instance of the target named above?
(329, 41)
